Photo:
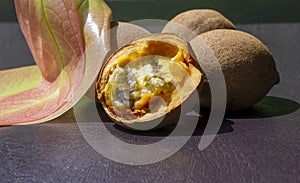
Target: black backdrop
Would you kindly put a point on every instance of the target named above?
(239, 11)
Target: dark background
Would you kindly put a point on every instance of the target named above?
(239, 11)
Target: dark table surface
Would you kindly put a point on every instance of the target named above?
(261, 144)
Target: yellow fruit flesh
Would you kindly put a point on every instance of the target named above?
(142, 74)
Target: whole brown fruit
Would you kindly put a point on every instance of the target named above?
(197, 21)
(123, 33)
(247, 64)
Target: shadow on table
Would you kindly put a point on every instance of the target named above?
(67, 117)
(268, 107)
(225, 127)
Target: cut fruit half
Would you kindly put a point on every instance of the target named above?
(147, 79)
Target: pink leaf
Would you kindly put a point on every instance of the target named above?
(60, 45)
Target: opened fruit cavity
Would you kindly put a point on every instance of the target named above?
(147, 79)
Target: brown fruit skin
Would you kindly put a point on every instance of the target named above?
(199, 21)
(123, 33)
(247, 64)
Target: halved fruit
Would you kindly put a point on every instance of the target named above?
(147, 79)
